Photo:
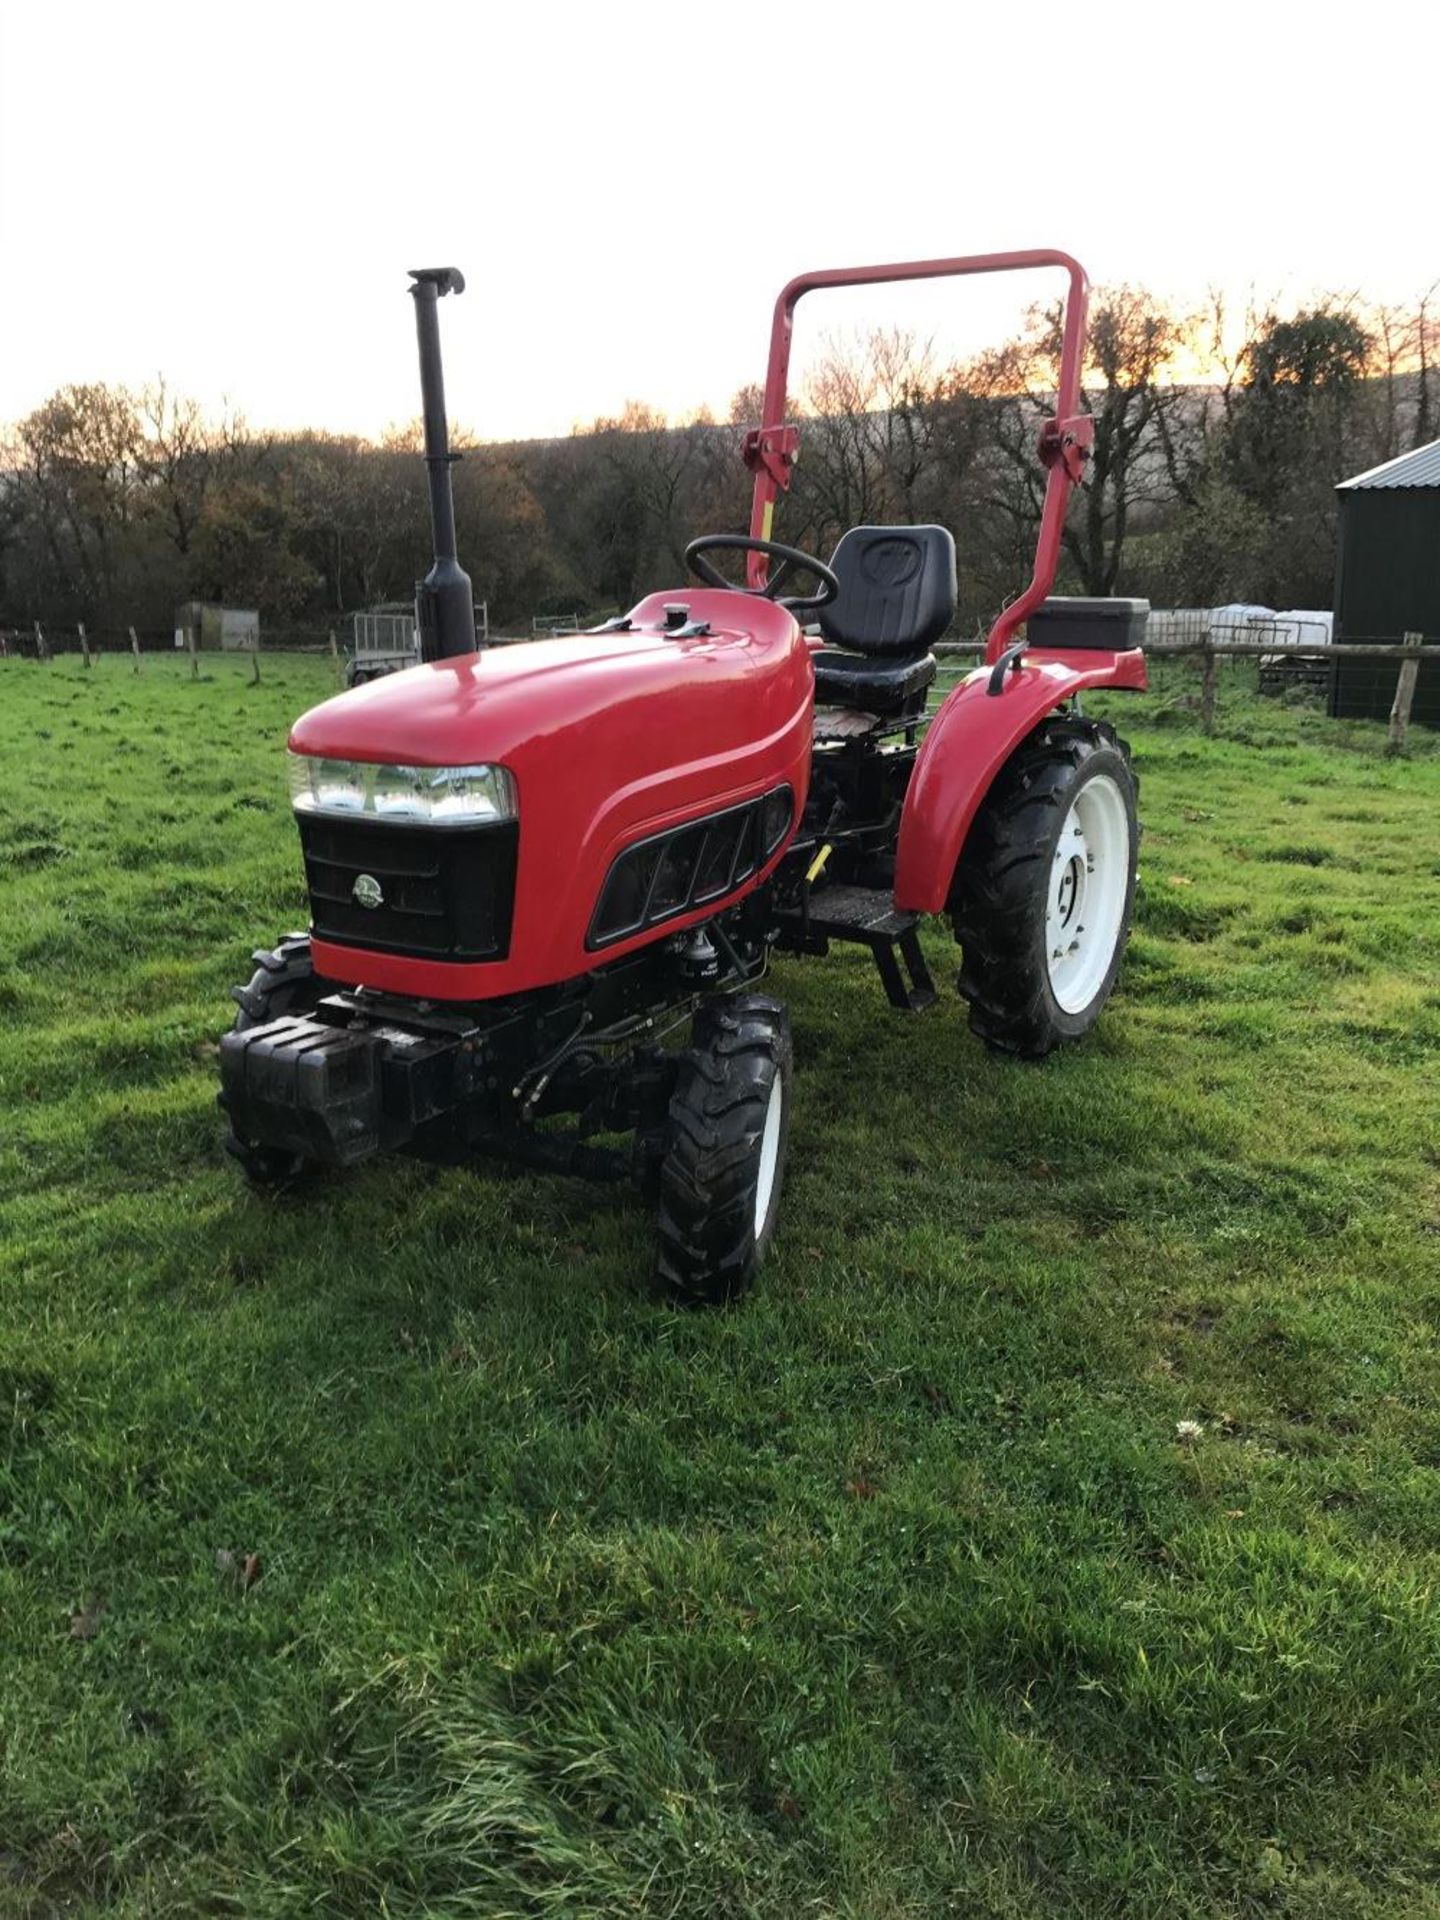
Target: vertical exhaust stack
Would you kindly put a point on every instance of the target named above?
(444, 599)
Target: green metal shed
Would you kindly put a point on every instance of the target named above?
(1387, 580)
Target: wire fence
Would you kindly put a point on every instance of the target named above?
(1384, 677)
(43, 640)
(1381, 677)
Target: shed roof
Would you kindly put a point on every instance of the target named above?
(1418, 468)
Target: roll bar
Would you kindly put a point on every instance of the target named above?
(1064, 444)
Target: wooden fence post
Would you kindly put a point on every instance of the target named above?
(335, 657)
(255, 662)
(135, 648)
(194, 657)
(84, 643)
(1207, 690)
(42, 651)
(1404, 698)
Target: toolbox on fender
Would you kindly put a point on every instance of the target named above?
(1105, 625)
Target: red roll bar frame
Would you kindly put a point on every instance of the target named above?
(1064, 444)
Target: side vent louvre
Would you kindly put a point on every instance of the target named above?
(689, 866)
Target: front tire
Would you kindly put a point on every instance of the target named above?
(724, 1158)
(1045, 888)
(283, 982)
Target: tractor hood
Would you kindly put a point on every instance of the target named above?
(609, 736)
(722, 686)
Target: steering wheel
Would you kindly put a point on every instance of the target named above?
(788, 557)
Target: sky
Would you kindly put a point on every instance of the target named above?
(230, 196)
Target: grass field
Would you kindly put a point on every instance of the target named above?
(399, 1554)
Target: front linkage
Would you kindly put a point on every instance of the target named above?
(315, 1077)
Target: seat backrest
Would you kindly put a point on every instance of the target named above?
(897, 589)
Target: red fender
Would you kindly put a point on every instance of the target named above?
(968, 742)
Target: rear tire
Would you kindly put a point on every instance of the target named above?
(283, 982)
(1045, 888)
(724, 1158)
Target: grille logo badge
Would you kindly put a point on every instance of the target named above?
(366, 891)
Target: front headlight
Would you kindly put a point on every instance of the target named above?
(418, 796)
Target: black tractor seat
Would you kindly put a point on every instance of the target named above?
(893, 688)
(896, 598)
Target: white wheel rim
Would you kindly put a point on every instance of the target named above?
(769, 1155)
(1089, 879)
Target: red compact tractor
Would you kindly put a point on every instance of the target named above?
(531, 866)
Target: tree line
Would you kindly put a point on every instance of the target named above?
(1218, 441)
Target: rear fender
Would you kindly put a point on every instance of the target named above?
(968, 742)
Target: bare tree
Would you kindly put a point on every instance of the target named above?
(871, 419)
(1128, 389)
(179, 451)
(1427, 351)
(79, 479)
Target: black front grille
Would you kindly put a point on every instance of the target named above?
(446, 893)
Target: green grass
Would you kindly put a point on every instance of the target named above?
(893, 1593)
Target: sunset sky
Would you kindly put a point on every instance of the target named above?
(231, 196)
